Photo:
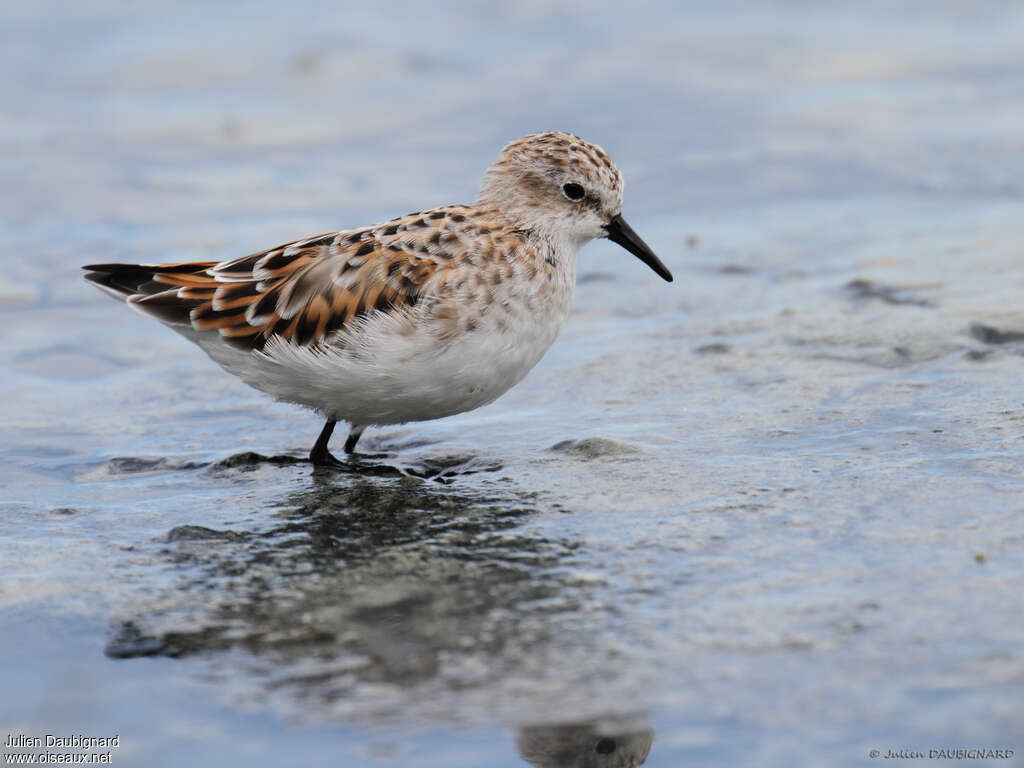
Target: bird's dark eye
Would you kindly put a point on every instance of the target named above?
(605, 746)
(573, 191)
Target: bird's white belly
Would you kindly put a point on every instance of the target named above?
(389, 374)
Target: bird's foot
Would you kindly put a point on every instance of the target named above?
(326, 460)
(354, 464)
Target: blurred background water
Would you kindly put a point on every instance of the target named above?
(769, 514)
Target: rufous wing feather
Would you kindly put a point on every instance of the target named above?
(304, 292)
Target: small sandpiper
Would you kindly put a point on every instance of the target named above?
(424, 316)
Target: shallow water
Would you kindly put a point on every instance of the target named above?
(769, 514)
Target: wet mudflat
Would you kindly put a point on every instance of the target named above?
(769, 514)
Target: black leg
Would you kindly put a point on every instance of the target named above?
(353, 438)
(320, 456)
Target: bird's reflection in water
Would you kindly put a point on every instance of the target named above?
(360, 597)
(387, 599)
(600, 744)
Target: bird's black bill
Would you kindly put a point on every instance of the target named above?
(620, 232)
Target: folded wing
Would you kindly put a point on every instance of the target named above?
(305, 292)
